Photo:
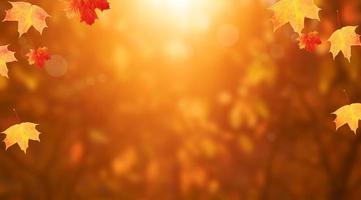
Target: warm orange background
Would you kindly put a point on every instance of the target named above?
(181, 99)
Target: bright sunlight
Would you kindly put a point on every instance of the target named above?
(179, 10)
(180, 99)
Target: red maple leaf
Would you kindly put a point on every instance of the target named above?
(86, 9)
(38, 56)
(309, 41)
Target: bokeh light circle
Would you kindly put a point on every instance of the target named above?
(57, 66)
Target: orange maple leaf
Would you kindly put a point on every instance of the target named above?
(349, 114)
(86, 9)
(309, 41)
(6, 56)
(38, 56)
(342, 40)
(21, 134)
(27, 15)
(293, 12)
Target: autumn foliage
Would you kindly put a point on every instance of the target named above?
(309, 41)
(27, 16)
(6, 56)
(86, 9)
(38, 56)
(180, 99)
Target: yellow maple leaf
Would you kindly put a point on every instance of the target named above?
(6, 56)
(27, 15)
(293, 12)
(342, 40)
(349, 114)
(21, 134)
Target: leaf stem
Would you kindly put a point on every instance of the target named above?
(339, 24)
(16, 115)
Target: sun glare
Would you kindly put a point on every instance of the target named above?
(177, 8)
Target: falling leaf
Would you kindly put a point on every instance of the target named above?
(342, 40)
(21, 134)
(38, 56)
(294, 12)
(86, 9)
(27, 15)
(6, 56)
(349, 114)
(309, 41)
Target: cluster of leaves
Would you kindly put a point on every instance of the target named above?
(294, 12)
(134, 122)
(28, 15)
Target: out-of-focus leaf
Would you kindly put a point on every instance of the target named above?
(124, 162)
(309, 41)
(246, 144)
(294, 12)
(38, 56)
(86, 9)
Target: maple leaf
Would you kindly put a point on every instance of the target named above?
(38, 56)
(21, 134)
(27, 15)
(349, 114)
(293, 12)
(341, 41)
(309, 41)
(6, 56)
(86, 9)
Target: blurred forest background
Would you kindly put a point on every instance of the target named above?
(181, 99)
